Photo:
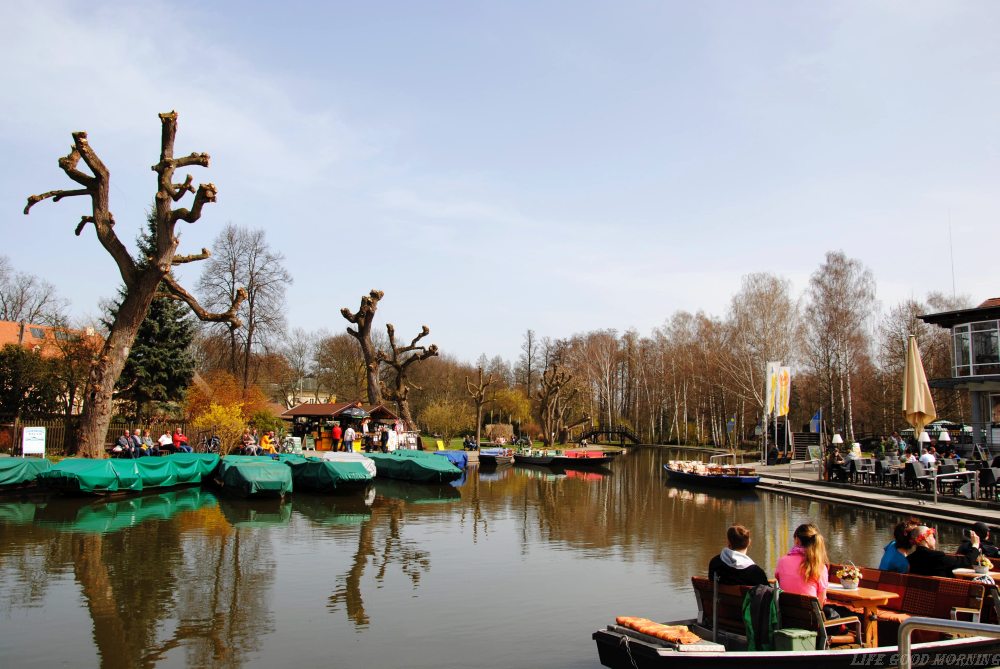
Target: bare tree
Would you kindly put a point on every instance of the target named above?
(762, 326)
(142, 276)
(297, 348)
(841, 292)
(340, 367)
(26, 297)
(363, 318)
(478, 394)
(402, 358)
(242, 259)
(551, 401)
(527, 364)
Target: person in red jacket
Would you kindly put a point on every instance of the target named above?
(337, 434)
(181, 441)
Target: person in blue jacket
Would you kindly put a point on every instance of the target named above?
(894, 558)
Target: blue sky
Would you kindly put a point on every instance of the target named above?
(498, 166)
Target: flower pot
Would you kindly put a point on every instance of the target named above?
(981, 568)
(849, 584)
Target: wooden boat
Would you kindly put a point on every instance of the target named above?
(712, 473)
(495, 457)
(569, 459)
(621, 648)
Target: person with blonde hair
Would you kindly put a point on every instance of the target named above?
(803, 570)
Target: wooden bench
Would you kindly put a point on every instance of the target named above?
(926, 596)
(720, 607)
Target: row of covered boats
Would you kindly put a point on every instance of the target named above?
(265, 476)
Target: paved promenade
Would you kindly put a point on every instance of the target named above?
(804, 482)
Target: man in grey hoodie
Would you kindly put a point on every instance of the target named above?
(733, 566)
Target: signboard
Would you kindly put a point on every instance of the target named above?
(33, 441)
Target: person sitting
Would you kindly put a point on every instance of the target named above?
(180, 442)
(165, 442)
(926, 560)
(732, 565)
(927, 459)
(149, 446)
(803, 570)
(839, 469)
(123, 446)
(773, 455)
(249, 443)
(986, 546)
(894, 557)
(267, 446)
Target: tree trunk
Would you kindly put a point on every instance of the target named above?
(98, 404)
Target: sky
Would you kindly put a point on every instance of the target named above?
(500, 166)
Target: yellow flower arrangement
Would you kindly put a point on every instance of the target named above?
(984, 561)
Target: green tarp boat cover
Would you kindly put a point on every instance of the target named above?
(331, 510)
(19, 471)
(93, 476)
(419, 466)
(207, 462)
(121, 474)
(253, 476)
(319, 475)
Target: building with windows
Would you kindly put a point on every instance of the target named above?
(43, 339)
(975, 363)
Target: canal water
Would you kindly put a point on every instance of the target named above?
(513, 568)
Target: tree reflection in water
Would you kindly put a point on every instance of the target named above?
(379, 541)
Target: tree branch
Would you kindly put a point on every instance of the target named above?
(225, 317)
(56, 195)
(206, 193)
(98, 188)
(194, 257)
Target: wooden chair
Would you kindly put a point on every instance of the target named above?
(804, 612)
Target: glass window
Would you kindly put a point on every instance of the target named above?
(37, 333)
(985, 348)
(962, 357)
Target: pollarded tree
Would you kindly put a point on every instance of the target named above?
(363, 318)
(142, 276)
(401, 359)
(478, 394)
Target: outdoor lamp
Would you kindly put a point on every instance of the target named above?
(944, 436)
(837, 439)
(924, 438)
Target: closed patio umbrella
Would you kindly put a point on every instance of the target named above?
(918, 405)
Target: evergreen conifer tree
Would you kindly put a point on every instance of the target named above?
(160, 364)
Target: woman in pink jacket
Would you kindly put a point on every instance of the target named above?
(804, 570)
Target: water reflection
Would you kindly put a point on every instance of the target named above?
(381, 545)
(186, 578)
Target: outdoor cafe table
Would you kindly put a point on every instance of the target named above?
(965, 572)
(868, 599)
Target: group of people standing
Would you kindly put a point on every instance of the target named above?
(381, 438)
(804, 569)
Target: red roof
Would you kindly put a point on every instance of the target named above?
(992, 302)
